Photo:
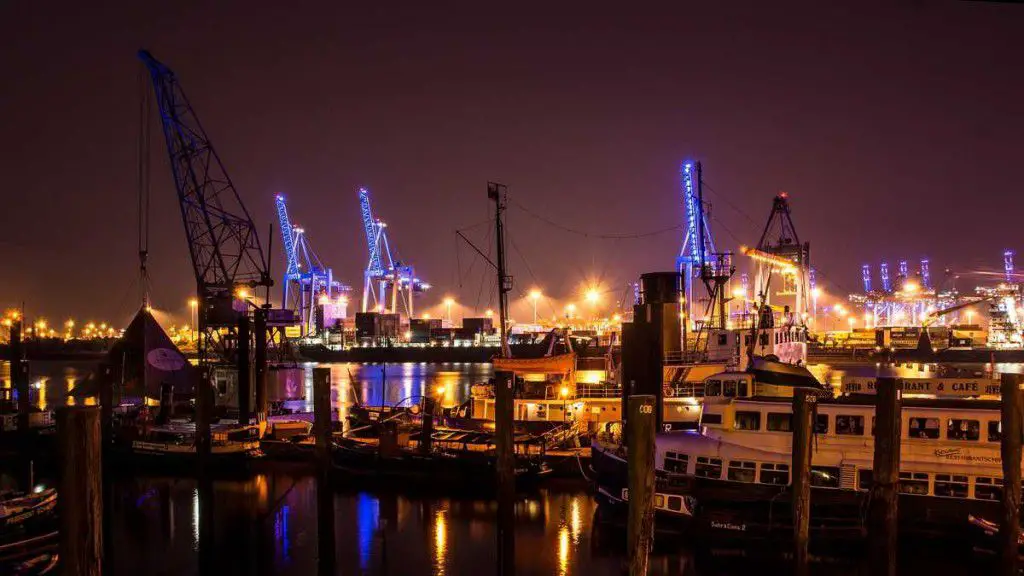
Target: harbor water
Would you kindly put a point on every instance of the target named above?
(268, 522)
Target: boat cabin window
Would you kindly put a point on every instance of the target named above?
(821, 424)
(914, 483)
(713, 388)
(723, 339)
(848, 425)
(957, 429)
(780, 422)
(748, 420)
(708, 467)
(825, 476)
(742, 471)
(951, 486)
(675, 503)
(741, 388)
(995, 431)
(763, 339)
(676, 462)
(865, 478)
(776, 474)
(711, 418)
(988, 488)
(729, 388)
(927, 428)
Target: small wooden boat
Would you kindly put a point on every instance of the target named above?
(18, 511)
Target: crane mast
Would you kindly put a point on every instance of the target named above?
(223, 244)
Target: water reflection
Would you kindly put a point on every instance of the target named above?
(440, 541)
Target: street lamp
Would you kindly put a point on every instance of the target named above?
(570, 309)
(535, 296)
(193, 305)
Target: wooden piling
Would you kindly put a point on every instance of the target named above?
(1010, 452)
(19, 377)
(322, 416)
(642, 422)
(427, 428)
(242, 363)
(804, 402)
(883, 512)
(260, 361)
(204, 416)
(505, 469)
(80, 502)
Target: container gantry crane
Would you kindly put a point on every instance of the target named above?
(380, 279)
(225, 250)
(307, 282)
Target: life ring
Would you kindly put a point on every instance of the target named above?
(669, 391)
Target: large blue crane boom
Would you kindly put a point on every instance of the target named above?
(378, 277)
(287, 237)
(309, 286)
(222, 239)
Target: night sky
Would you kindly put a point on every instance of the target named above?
(897, 128)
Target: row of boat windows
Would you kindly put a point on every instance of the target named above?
(780, 338)
(928, 428)
(916, 483)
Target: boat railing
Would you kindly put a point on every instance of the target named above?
(598, 390)
(685, 389)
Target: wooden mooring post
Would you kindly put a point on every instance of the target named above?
(883, 518)
(260, 360)
(505, 469)
(80, 495)
(204, 417)
(322, 428)
(1010, 452)
(642, 423)
(243, 363)
(804, 402)
(19, 377)
(427, 428)
(322, 416)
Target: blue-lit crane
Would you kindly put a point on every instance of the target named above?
(698, 258)
(309, 286)
(384, 273)
(225, 250)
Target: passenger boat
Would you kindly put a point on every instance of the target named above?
(733, 474)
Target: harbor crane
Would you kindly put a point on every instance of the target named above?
(384, 273)
(698, 258)
(780, 250)
(225, 250)
(308, 284)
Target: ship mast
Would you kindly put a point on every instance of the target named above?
(499, 193)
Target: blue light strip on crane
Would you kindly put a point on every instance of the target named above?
(691, 215)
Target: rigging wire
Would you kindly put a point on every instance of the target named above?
(145, 105)
(585, 234)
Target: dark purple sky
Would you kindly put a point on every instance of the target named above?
(897, 129)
